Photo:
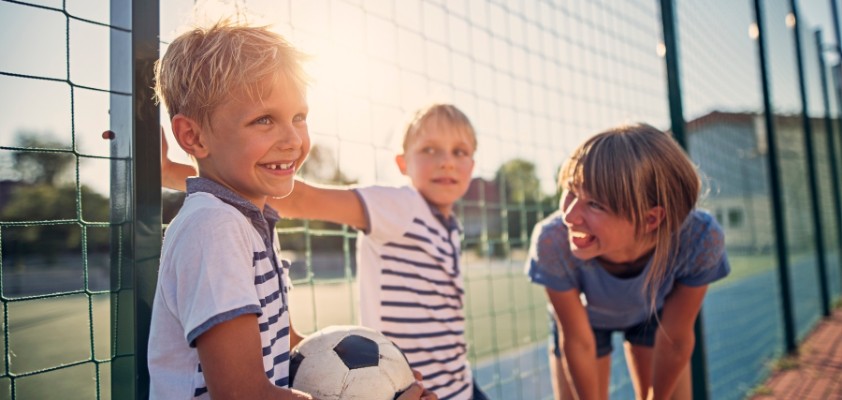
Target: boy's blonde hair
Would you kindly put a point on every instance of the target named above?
(631, 169)
(446, 114)
(206, 66)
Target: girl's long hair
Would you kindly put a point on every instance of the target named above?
(631, 169)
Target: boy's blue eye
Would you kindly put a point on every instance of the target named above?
(265, 120)
(299, 118)
(428, 150)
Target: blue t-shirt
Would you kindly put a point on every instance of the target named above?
(613, 302)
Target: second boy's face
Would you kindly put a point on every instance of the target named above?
(439, 161)
(256, 146)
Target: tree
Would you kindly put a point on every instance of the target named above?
(321, 167)
(525, 203)
(519, 182)
(41, 166)
(43, 195)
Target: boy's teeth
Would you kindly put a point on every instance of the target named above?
(280, 166)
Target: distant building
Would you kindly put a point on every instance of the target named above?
(732, 154)
(479, 210)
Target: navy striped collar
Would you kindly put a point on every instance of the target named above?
(264, 221)
(450, 223)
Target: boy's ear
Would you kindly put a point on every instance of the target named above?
(189, 135)
(654, 217)
(400, 159)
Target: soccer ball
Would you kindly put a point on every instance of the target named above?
(349, 363)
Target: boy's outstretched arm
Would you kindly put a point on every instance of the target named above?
(333, 204)
(232, 363)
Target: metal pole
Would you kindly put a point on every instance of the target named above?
(837, 85)
(811, 163)
(777, 196)
(135, 191)
(831, 150)
(698, 360)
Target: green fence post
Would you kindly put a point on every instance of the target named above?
(811, 163)
(837, 30)
(136, 194)
(831, 152)
(698, 360)
(775, 185)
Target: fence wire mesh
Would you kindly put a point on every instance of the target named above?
(535, 77)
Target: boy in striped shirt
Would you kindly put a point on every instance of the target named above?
(408, 268)
(408, 271)
(220, 319)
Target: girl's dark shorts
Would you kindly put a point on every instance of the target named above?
(642, 334)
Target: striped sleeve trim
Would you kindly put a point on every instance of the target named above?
(220, 318)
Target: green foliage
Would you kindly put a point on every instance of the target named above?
(43, 202)
(41, 198)
(525, 204)
(41, 166)
(321, 167)
(518, 181)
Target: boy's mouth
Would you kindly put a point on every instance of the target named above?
(445, 181)
(279, 166)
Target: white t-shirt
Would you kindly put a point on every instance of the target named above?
(215, 266)
(411, 288)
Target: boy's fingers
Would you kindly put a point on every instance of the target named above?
(164, 144)
(428, 395)
(417, 375)
(414, 392)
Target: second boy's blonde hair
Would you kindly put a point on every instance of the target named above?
(206, 66)
(443, 113)
(631, 169)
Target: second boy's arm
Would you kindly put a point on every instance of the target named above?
(578, 343)
(232, 362)
(675, 339)
(333, 204)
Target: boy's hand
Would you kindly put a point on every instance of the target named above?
(417, 391)
(173, 174)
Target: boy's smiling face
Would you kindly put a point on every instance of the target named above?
(254, 146)
(439, 162)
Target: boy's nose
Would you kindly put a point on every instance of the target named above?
(289, 138)
(447, 161)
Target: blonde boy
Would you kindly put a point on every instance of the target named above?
(409, 276)
(220, 321)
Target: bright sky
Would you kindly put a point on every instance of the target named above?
(535, 80)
